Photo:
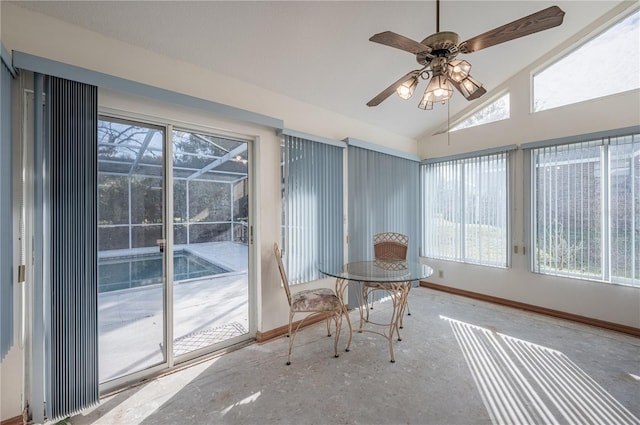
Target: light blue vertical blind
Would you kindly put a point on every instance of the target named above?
(383, 197)
(624, 207)
(71, 120)
(6, 222)
(567, 209)
(312, 207)
(465, 209)
(586, 209)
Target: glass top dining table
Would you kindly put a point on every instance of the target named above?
(382, 271)
(394, 277)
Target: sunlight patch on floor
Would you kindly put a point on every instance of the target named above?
(148, 399)
(525, 383)
(253, 397)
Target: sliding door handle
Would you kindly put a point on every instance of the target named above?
(161, 243)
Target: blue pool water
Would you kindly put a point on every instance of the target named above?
(134, 271)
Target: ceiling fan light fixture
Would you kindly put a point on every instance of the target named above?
(425, 104)
(458, 70)
(438, 90)
(469, 86)
(437, 54)
(406, 89)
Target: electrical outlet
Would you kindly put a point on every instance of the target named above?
(440, 274)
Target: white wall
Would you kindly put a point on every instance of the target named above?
(612, 303)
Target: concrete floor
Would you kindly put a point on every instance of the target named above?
(460, 361)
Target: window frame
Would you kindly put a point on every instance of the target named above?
(462, 256)
(603, 140)
(597, 32)
(494, 99)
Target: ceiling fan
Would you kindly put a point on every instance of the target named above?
(437, 54)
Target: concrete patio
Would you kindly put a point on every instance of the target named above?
(206, 311)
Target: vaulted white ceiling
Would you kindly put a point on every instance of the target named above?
(318, 51)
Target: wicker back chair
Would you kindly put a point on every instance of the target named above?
(388, 246)
(314, 302)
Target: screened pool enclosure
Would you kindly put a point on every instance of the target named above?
(151, 311)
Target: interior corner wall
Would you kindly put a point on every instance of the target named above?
(612, 303)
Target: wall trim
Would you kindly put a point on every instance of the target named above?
(534, 308)
(22, 60)
(617, 132)
(16, 420)
(284, 329)
(7, 60)
(311, 137)
(483, 152)
(381, 149)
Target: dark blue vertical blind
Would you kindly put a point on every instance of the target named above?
(71, 116)
(6, 221)
(312, 207)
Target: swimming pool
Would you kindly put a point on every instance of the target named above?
(133, 271)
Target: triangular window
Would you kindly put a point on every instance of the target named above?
(495, 111)
(605, 65)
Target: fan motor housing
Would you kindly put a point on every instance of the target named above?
(443, 44)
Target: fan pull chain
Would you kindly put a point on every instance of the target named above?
(449, 123)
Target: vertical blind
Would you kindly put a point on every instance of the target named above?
(6, 220)
(72, 356)
(383, 197)
(465, 213)
(312, 207)
(586, 209)
(624, 207)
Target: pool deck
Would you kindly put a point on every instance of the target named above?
(205, 311)
(230, 255)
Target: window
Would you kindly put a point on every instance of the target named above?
(465, 209)
(605, 65)
(495, 111)
(586, 209)
(312, 207)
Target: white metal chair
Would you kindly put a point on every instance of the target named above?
(387, 246)
(320, 301)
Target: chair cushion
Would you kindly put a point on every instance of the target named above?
(320, 299)
(381, 285)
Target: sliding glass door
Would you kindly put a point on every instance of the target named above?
(210, 242)
(131, 316)
(192, 209)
